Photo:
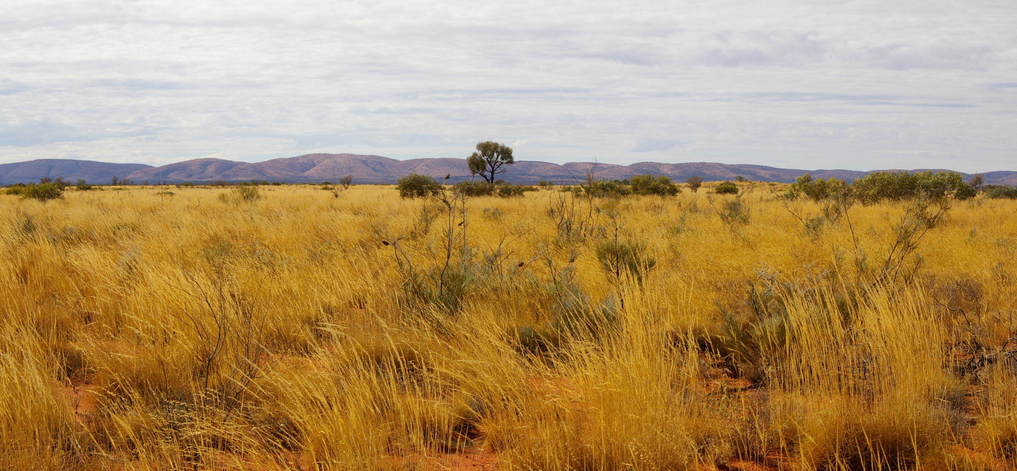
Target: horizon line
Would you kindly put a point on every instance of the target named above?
(516, 161)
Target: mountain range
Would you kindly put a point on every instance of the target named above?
(313, 168)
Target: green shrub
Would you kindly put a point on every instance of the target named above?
(734, 212)
(417, 186)
(638, 185)
(474, 188)
(879, 186)
(44, 191)
(651, 185)
(726, 188)
(38, 191)
(506, 191)
(965, 192)
(754, 331)
(607, 189)
(818, 189)
(1001, 192)
(501, 189)
(442, 288)
(15, 189)
(624, 258)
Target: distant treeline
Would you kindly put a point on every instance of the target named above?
(874, 187)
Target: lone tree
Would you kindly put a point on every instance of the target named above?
(489, 159)
(977, 182)
(694, 183)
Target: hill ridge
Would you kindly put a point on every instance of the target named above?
(320, 167)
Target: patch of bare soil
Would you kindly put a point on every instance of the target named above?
(470, 460)
(744, 466)
(81, 397)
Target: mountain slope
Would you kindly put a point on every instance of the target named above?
(70, 170)
(378, 169)
(189, 170)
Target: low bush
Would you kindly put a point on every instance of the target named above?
(247, 193)
(621, 258)
(506, 191)
(653, 185)
(817, 189)
(607, 189)
(501, 189)
(38, 191)
(83, 185)
(726, 188)
(444, 288)
(638, 185)
(879, 186)
(1001, 192)
(965, 192)
(474, 188)
(734, 212)
(15, 189)
(244, 193)
(417, 186)
(754, 331)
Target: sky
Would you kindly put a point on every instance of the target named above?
(802, 84)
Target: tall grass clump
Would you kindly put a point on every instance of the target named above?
(38, 429)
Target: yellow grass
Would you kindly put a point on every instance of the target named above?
(302, 330)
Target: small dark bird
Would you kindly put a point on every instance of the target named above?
(448, 176)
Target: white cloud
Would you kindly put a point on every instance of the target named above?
(859, 84)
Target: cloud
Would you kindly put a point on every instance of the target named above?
(38, 132)
(10, 88)
(943, 54)
(858, 83)
(774, 48)
(141, 85)
(365, 139)
(656, 145)
(848, 99)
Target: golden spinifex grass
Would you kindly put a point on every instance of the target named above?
(288, 327)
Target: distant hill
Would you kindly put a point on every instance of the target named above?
(70, 170)
(189, 170)
(378, 169)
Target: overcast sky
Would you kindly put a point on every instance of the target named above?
(806, 84)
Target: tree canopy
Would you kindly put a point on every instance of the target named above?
(489, 159)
